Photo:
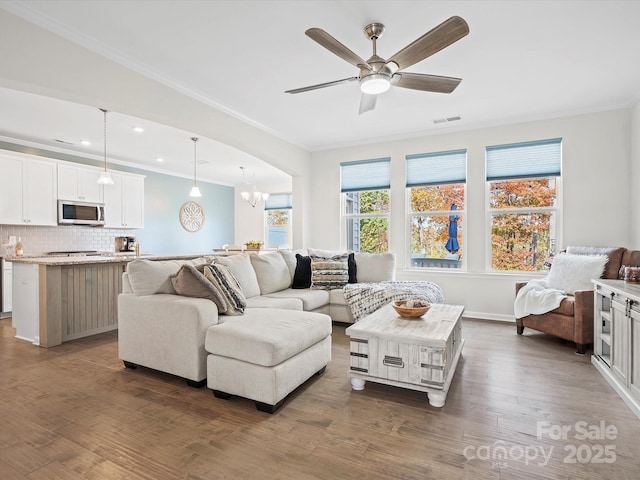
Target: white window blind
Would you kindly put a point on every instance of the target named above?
(437, 168)
(366, 175)
(540, 158)
(278, 201)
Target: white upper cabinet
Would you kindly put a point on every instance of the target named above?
(124, 202)
(28, 191)
(79, 183)
(11, 180)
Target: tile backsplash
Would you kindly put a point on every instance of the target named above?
(37, 240)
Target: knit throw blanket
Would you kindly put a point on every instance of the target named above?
(364, 298)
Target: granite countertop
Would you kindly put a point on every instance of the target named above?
(96, 259)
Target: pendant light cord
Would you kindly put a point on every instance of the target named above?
(105, 138)
(195, 142)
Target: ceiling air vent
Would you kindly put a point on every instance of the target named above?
(448, 119)
(63, 141)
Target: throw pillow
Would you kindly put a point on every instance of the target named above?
(223, 279)
(302, 275)
(190, 281)
(376, 267)
(241, 267)
(574, 272)
(352, 268)
(271, 271)
(329, 273)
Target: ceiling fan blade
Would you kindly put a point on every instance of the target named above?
(367, 102)
(334, 46)
(322, 85)
(427, 83)
(448, 32)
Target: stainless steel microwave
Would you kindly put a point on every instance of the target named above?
(80, 213)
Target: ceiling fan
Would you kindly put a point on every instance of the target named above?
(377, 74)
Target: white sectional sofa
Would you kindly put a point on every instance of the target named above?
(162, 330)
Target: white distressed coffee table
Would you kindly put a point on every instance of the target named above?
(419, 354)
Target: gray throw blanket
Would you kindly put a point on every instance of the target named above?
(364, 298)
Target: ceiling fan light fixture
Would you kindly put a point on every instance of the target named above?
(375, 84)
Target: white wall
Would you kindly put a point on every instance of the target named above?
(596, 164)
(634, 177)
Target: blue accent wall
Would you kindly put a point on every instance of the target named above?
(163, 197)
(163, 233)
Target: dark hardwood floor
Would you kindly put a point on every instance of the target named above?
(74, 412)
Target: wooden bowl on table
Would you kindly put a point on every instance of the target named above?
(411, 308)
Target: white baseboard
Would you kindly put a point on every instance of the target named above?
(497, 317)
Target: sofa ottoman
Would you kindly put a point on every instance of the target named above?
(266, 353)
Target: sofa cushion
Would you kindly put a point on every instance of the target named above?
(289, 257)
(311, 299)
(574, 272)
(336, 297)
(329, 272)
(375, 267)
(257, 337)
(242, 269)
(190, 281)
(302, 275)
(264, 301)
(271, 271)
(222, 279)
(148, 277)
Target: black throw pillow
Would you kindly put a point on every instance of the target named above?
(302, 275)
(353, 270)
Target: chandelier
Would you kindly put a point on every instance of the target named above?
(252, 196)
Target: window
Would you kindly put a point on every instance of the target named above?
(523, 182)
(436, 190)
(365, 199)
(277, 212)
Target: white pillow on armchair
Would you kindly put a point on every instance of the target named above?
(574, 272)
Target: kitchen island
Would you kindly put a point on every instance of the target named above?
(57, 299)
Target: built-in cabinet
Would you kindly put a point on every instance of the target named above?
(28, 191)
(617, 337)
(79, 183)
(30, 187)
(7, 287)
(124, 201)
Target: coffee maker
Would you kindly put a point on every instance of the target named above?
(125, 244)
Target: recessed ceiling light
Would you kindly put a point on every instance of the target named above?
(86, 143)
(160, 160)
(138, 129)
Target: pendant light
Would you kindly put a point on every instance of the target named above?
(195, 191)
(105, 177)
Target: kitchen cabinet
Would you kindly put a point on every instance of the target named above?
(79, 183)
(28, 190)
(124, 201)
(7, 287)
(617, 338)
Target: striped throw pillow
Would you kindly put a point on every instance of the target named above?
(222, 278)
(328, 273)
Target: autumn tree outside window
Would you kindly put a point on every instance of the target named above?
(523, 183)
(436, 198)
(365, 204)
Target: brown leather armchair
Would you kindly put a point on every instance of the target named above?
(573, 319)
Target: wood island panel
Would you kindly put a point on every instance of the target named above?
(79, 300)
